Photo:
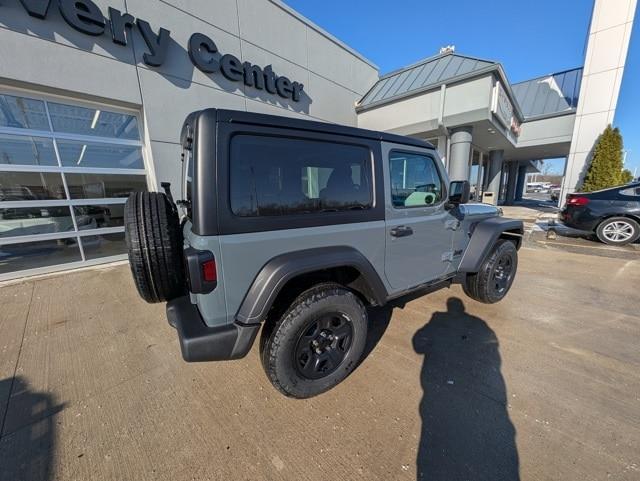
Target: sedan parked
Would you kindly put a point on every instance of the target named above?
(611, 214)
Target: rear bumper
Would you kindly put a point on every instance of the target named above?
(199, 342)
(578, 219)
(566, 230)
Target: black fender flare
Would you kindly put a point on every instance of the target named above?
(278, 271)
(483, 237)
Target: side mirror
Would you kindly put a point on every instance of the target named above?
(459, 193)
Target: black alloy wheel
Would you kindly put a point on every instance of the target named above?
(502, 273)
(323, 346)
(316, 343)
(496, 274)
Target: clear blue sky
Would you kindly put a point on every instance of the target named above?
(529, 39)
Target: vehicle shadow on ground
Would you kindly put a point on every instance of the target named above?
(27, 432)
(466, 430)
(378, 321)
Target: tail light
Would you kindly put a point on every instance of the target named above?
(202, 271)
(209, 273)
(577, 201)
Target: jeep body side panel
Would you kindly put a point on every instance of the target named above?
(248, 243)
(215, 312)
(281, 269)
(244, 255)
(424, 254)
(484, 235)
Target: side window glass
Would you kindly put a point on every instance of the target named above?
(633, 192)
(272, 176)
(415, 181)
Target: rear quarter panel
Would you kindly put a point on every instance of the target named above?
(243, 255)
(212, 306)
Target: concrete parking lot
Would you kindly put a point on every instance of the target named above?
(543, 386)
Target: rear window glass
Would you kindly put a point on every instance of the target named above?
(272, 176)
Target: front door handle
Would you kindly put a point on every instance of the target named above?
(401, 231)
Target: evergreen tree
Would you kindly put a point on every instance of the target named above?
(627, 176)
(605, 169)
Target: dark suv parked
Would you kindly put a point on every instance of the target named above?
(298, 226)
(612, 214)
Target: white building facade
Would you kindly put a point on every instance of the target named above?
(93, 94)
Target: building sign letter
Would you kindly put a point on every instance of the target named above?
(86, 17)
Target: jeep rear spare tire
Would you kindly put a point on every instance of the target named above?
(316, 343)
(154, 244)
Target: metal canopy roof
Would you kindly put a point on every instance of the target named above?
(427, 73)
(541, 97)
(549, 95)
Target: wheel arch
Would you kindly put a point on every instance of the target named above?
(484, 235)
(302, 269)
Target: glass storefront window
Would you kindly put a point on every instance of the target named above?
(23, 150)
(107, 156)
(15, 186)
(99, 216)
(35, 220)
(105, 245)
(73, 119)
(30, 255)
(53, 155)
(104, 186)
(22, 113)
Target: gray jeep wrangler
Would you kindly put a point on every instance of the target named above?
(299, 226)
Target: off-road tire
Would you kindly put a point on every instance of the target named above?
(482, 285)
(631, 226)
(154, 244)
(280, 339)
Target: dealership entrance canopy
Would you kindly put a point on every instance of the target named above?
(486, 130)
(93, 94)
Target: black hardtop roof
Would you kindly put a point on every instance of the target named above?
(223, 115)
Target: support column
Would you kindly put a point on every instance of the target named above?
(496, 159)
(460, 153)
(511, 182)
(606, 53)
(522, 181)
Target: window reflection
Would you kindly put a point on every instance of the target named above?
(99, 216)
(415, 181)
(100, 186)
(81, 120)
(103, 245)
(34, 220)
(22, 113)
(16, 186)
(109, 156)
(276, 176)
(65, 149)
(22, 150)
(29, 255)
